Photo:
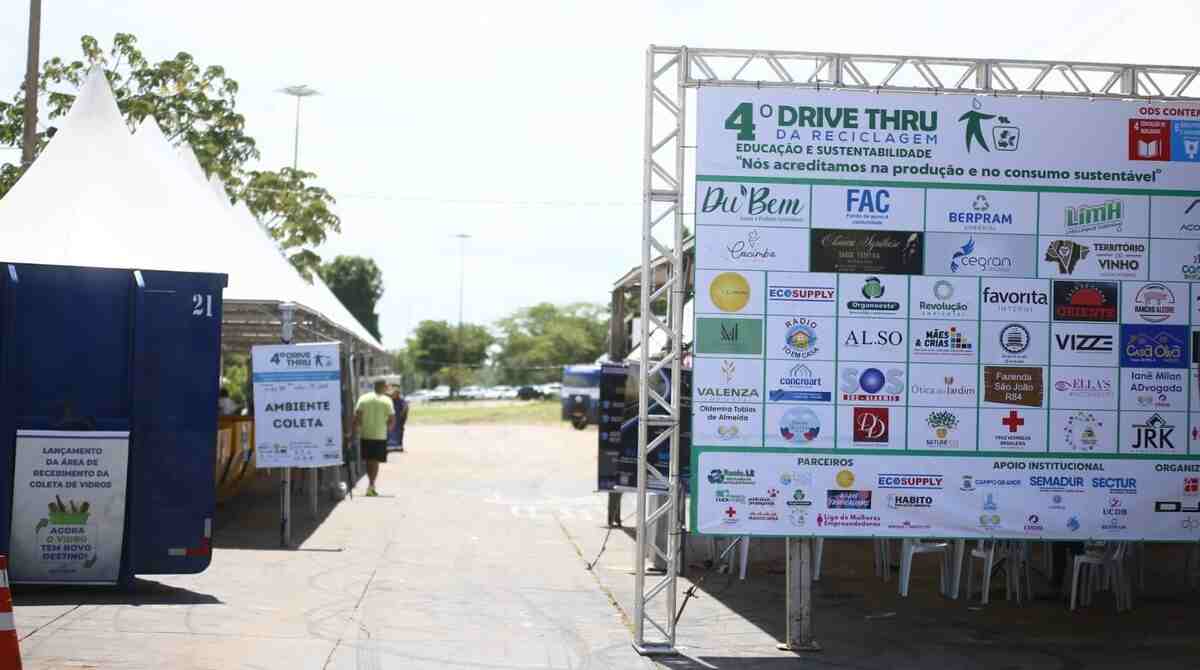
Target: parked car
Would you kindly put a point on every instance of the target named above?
(528, 393)
(418, 396)
(471, 392)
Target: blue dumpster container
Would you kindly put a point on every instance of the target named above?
(120, 350)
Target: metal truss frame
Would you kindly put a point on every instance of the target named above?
(670, 72)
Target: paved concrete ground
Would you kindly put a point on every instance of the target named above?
(461, 564)
(476, 558)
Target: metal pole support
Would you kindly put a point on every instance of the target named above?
(314, 483)
(614, 509)
(285, 508)
(659, 531)
(799, 596)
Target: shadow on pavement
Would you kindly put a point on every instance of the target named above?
(859, 618)
(683, 662)
(251, 520)
(140, 592)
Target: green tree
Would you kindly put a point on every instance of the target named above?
(537, 341)
(236, 371)
(193, 104)
(358, 283)
(404, 367)
(434, 345)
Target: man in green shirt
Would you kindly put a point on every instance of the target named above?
(374, 416)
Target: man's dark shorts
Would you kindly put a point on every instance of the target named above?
(374, 450)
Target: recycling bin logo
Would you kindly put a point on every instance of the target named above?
(1006, 137)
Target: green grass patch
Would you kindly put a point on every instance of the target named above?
(497, 412)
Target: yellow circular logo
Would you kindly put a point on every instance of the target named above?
(845, 479)
(729, 291)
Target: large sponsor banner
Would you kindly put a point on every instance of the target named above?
(68, 506)
(297, 405)
(947, 279)
(780, 492)
(875, 146)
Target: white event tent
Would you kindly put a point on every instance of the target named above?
(99, 196)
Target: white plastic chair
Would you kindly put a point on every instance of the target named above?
(883, 558)
(910, 548)
(1192, 566)
(1017, 556)
(985, 550)
(1102, 567)
(743, 557)
(817, 553)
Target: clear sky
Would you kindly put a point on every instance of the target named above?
(520, 123)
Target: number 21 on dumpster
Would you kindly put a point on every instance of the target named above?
(202, 304)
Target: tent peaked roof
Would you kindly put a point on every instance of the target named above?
(100, 197)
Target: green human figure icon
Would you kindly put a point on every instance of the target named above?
(975, 121)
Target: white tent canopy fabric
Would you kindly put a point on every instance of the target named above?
(101, 197)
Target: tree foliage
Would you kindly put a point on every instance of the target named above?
(192, 104)
(358, 283)
(537, 341)
(434, 345)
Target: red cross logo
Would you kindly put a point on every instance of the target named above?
(1013, 421)
(731, 512)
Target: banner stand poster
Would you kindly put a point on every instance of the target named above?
(948, 316)
(297, 405)
(68, 506)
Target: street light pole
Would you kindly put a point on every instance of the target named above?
(462, 246)
(298, 91)
(29, 136)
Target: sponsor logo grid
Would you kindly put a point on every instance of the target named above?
(867, 374)
(1047, 339)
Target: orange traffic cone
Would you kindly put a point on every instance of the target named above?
(10, 650)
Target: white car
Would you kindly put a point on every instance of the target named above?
(418, 396)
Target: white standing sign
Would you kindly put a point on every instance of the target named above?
(68, 511)
(297, 405)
